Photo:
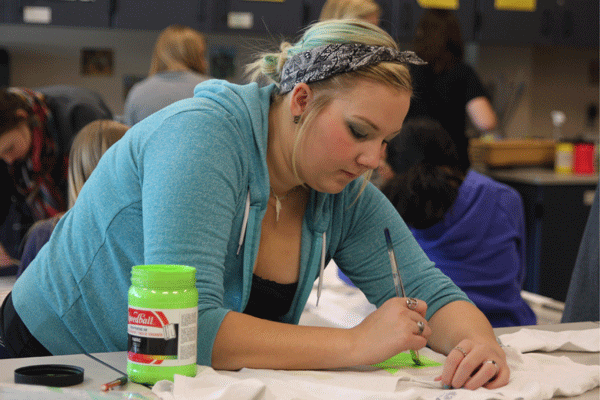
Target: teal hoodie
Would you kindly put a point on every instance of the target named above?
(189, 185)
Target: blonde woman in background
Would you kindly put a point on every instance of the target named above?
(88, 147)
(365, 10)
(178, 64)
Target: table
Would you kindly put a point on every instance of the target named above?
(96, 373)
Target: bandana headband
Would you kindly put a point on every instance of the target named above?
(325, 61)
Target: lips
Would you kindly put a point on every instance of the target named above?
(350, 174)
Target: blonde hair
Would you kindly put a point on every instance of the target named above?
(89, 145)
(270, 64)
(353, 9)
(179, 48)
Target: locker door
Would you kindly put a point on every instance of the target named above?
(158, 14)
(82, 13)
(407, 14)
(272, 17)
(511, 27)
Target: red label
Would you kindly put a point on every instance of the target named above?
(143, 358)
(144, 318)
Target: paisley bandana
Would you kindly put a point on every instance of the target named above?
(325, 61)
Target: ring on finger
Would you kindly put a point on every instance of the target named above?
(495, 364)
(463, 351)
(412, 303)
(421, 326)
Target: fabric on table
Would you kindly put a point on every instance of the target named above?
(533, 377)
(526, 340)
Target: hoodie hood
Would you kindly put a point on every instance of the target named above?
(249, 107)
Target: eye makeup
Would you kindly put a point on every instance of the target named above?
(357, 132)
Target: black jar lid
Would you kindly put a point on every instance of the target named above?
(56, 375)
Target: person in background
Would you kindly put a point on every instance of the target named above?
(178, 64)
(36, 130)
(258, 188)
(470, 226)
(583, 302)
(88, 146)
(447, 89)
(365, 10)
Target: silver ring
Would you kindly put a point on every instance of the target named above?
(495, 365)
(421, 326)
(464, 353)
(412, 303)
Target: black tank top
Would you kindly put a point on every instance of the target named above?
(270, 300)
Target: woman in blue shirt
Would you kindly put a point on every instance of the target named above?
(258, 188)
(471, 226)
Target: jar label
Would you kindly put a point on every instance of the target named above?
(162, 337)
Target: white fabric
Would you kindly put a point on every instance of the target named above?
(527, 340)
(340, 305)
(533, 377)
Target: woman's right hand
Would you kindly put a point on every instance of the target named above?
(389, 330)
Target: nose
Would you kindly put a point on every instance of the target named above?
(371, 155)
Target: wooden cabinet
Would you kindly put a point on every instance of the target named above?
(158, 14)
(95, 14)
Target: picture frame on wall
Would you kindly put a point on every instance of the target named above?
(96, 62)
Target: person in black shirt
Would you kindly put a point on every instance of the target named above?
(447, 89)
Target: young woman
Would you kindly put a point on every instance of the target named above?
(365, 10)
(87, 149)
(447, 89)
(258, 188)
(36, 131)
(471, 226)
(178, 65)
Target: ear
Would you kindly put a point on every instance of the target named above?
(21, 114)
(300, 96)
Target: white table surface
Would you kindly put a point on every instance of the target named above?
(96, 373)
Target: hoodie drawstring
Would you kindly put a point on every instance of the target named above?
(322, 268)
(323, 248)
(244, 223)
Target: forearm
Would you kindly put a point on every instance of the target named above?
(245, 341)
(457, 321)
(482, 114)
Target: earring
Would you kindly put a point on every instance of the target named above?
(296, 119)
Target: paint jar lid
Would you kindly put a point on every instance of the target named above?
(56, 375)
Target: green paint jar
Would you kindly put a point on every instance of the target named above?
(162, 323)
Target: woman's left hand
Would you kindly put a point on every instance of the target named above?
(473, 364)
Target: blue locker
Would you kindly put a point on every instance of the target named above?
(94, 14)
(158, 14)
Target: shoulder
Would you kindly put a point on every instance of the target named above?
(504, 196)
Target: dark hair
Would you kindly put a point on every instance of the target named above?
(9, 104)
(438, 39)
(428, 173)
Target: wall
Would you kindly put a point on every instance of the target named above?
(556, 78)
(42, 56)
